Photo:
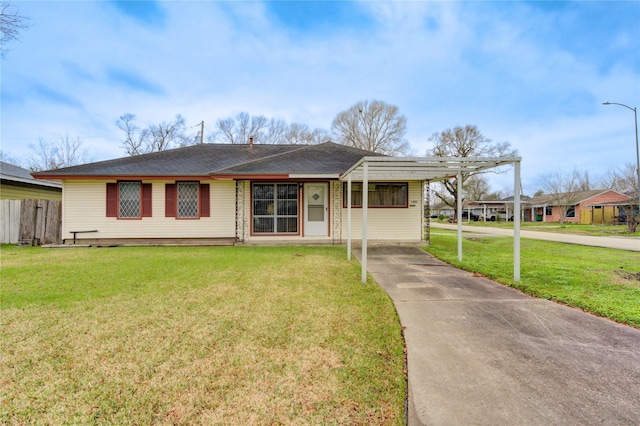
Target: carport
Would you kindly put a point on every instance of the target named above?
(427, 169)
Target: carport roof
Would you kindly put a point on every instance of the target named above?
(422, 168)
(427, 168)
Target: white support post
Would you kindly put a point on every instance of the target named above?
(365, 214)
(459, 204)
(516, 221)
(349, 217)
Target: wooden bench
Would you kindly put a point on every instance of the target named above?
(80, 232)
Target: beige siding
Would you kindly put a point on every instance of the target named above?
(85, 209)
(391, 224)
(15, 192)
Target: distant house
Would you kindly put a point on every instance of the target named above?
(494, 210)
(576, 207)
(17, 183)
(216, 193)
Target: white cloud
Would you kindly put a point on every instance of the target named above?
(524, 73)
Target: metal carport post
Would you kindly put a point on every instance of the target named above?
(426, 168)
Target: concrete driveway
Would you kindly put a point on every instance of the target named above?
(480, 353)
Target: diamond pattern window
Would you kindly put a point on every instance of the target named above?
(129, 199)
(188, 199)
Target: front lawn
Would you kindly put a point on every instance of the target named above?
(599, 280)
(193, 335)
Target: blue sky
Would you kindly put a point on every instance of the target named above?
(530, 73)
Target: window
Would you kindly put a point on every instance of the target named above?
(275, 208)
(129, 200)
(187, 200)
(548, 211)
(380, 194)
(571, 211)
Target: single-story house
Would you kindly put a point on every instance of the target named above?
(576, 206)
(216, 193)
(494, 210)
(17, 183)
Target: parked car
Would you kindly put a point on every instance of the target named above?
(470, 216)
(622, 218)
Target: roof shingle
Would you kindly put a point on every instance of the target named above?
(223, 159)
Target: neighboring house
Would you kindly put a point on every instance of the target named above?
(214, 193)
(17, 183)
(495, 210)
(577, 207)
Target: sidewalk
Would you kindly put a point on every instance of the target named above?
(484, 354)
(621, 243)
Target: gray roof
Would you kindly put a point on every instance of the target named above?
(7, 169)
(576, 197)
(224, 160)
(13, 173)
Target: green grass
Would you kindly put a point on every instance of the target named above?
(566, 228)
(598, 280)
(192, 335)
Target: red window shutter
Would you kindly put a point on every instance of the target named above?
(170, 202)
(146, 200)
(205, 208)
(112, 200)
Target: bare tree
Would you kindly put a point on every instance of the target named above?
(563, 189)
(465, 141)
(583, 181)
(154, 138)
(476, 188)
(275, 132)
(622, 179)
(298, 133)
(373, 126)
(238, 130)
(167, 135)
(9, 159)
(11, 23)
(134, 138)
(65, 152)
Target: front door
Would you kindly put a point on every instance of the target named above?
(316, 211)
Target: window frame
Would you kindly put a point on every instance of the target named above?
(189, 200)
(172, 200)
(114, 200)
(274, 215)
(370, 198)
(570, 212)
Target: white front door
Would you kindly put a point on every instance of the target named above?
(316, 209)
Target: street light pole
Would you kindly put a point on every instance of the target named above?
(635, 114)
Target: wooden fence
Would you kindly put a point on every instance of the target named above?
(30, 222)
